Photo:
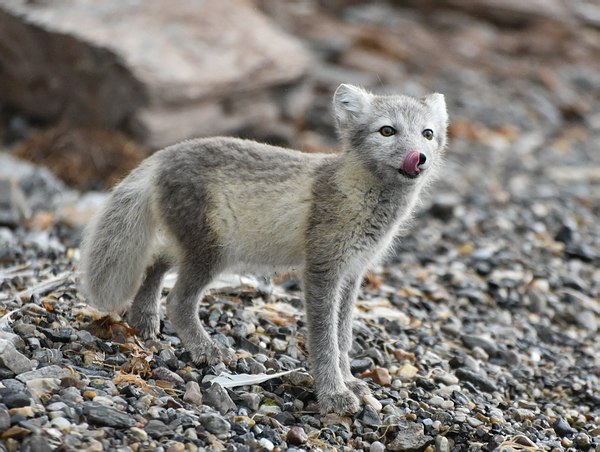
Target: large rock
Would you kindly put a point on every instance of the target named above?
(163, 70)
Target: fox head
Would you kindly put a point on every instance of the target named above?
(400, 139)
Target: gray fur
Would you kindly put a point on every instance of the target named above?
(213, 205)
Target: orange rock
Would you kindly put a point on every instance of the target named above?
(379, 375)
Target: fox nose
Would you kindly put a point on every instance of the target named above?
(422, 158)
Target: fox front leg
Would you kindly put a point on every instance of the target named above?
(322, 305)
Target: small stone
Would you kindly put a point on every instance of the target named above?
(162, 373)
(562, 427)
(445, 377)
(103, 400)
(15, 399)
(15, 432)
(251, 400)
(250, 366)
(478, 380)
(279, 345)
(380, 375)
(219, 399)
(303, 379)
(582, 440)
(4, 419)
(101, 415)
(472, 341)
(44, 372)
(214, 423)
(473, 422)
(89, 394)
(176, 447)
(26, 411)
(407, 371)
(442, 444)
(269, 409)
(266, 444)
(370, 417)
(410, 438)
(361, 365)
(376, 446)
(296, 436)
(192, 393)
(12, 359)
(436, 401)
(157, 429)
(447, 405)
(62, 424)
(139, 433)
(370, 400)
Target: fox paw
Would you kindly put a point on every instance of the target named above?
(148, 327)
(342, 403)
(212, 354)
(358, 387)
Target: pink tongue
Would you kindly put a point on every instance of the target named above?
(411, 162)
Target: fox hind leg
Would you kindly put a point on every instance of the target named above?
(144, 312)
(182, 310)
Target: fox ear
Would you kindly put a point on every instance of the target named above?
(437, 103)
(350, 102)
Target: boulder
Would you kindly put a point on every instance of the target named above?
(160, 70)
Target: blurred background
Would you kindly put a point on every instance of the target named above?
(88, 89)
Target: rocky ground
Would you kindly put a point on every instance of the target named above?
(481, 333)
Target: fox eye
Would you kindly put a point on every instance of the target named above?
(387, 131)
(428, 133)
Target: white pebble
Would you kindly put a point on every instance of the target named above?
(447, 404)
(102, 400)
(436, 401)
(265, 443)
(139, 433)
(376, 404)
(62, 424)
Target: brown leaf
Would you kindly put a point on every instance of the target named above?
(108, 328)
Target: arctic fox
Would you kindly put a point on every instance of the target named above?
(213, 205)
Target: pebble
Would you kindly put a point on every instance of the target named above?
(410, 438)
(477, 379)
(12, 359)
(407, 371)
(15, 399)
(192, 393)
(214, 423)
(296, 436)
(266, 444)
(218, 398)
(380, 375)
(563, 428)
(53, 371)
(372, 401)
(370, 417)
(157, 429)
(162, 373)
(62, 424)
(106, 416)
(376, 446)
(4, 419)
(442, 444)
